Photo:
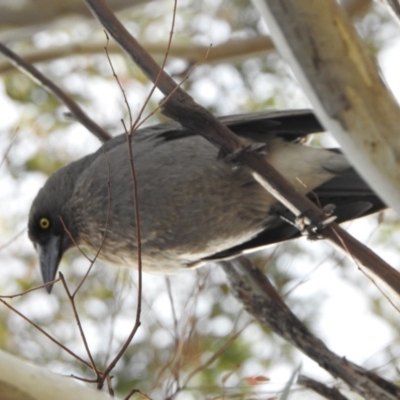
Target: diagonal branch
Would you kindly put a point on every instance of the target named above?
(51, 87)
(320, 388)
(253, 289)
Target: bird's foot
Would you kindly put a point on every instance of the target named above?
(252, 147)
(309, 229)
(312, 230)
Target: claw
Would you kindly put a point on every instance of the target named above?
(252, 147)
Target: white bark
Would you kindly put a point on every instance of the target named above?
(20, 380)
(343, 84)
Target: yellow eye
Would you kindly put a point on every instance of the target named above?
(44, 223)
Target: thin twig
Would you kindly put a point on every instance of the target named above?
(164, 101)
(11, 296)
(109, 386)
(105, 227)
(86, 380)
(78, 321)
(133, 391)
(117, 79)
(59, 344)
(12, 240)
(214, 356)
(160, 72)
(8, 149)
(172, 303)
(370, 278)
(137, 323)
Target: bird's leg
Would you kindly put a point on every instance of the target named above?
(311, 230)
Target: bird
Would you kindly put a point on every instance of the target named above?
(193, 206)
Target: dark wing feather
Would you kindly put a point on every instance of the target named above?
(350, 195)
(290, 125)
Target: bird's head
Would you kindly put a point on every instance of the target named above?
(49, 227)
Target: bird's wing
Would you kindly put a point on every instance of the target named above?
(350, 195)
(291, 125)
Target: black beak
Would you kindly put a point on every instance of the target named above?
(50, 256)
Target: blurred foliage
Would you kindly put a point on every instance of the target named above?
(182, 330)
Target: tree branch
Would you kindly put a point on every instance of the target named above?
(320, 388)
(51, 87)
(258, 296)
(235, 49)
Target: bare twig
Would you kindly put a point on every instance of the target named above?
(182, 337)
(8, 149)
(213, 357)
(106, 50)
(105, 227)
(133, 391)
(47, 84)
(137, 323)
(71, 298)
(44, 332)
(160, 72)
(11, 240)
(91, 261)
(122, 350)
